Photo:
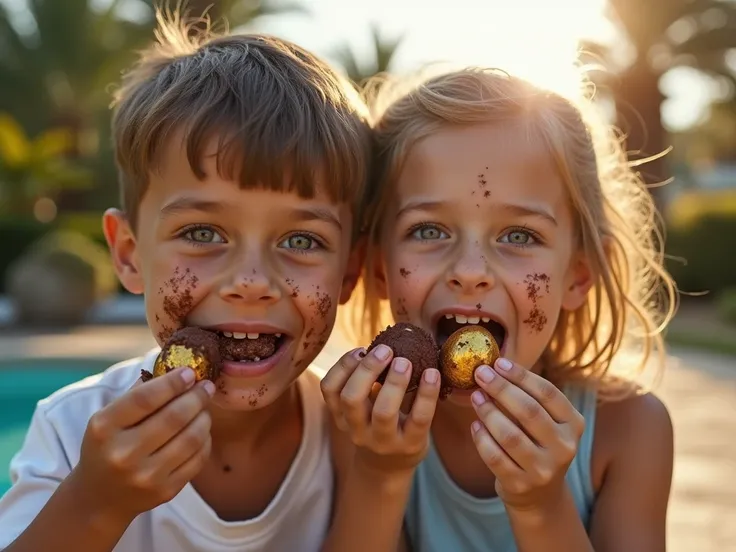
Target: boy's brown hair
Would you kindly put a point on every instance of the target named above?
(282, 118)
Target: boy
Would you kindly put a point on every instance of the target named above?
(242, 162)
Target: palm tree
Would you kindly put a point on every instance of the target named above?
(665, 34)
(383, 54)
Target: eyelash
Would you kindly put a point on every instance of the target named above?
(189, 229)
(317, 239)
(534, 235)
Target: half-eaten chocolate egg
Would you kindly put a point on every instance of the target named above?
(192, 347)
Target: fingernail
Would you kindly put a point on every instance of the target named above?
(381, 352)
(475, 426)
(431, 376)
(485, 374)
(478, 397)
(188, 375)
(504, 364)
(401, 365)
(359, 353)
(209, 387)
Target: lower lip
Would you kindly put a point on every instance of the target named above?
(253, 369)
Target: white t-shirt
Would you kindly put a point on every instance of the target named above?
(296, 520)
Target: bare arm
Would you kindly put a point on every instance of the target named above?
(556, 527)
(70, 517)
(631, 510)
(376, 447)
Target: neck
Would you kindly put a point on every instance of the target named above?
(248, 429)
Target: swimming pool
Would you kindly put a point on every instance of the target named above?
(24, 383)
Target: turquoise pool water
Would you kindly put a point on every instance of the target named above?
(22, 384)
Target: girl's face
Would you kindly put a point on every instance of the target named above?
(481, 232)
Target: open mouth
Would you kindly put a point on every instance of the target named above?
(449, 323)
(249, 347)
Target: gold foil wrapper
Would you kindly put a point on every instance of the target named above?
(463, 352)
(177, 356)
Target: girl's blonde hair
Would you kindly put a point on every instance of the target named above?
(620, 325)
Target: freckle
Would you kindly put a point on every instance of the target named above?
(477, 205)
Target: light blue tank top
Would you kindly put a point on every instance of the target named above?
(441, 517)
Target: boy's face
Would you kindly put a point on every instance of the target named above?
(482, 233)
(265, 269)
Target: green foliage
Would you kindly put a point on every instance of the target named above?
(726, 304)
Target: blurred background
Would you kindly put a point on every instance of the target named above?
(666, 76)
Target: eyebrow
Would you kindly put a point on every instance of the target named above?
(307, 214)
(517, 209)
(190, 204)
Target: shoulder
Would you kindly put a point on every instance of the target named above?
(83, 398)
(639, 421)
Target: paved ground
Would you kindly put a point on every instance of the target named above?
(699, 389)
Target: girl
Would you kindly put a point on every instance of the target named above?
(508, 206)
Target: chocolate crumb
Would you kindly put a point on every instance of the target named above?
(404, 273)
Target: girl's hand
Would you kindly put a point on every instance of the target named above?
(527, 435)
(385, 437)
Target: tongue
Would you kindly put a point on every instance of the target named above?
(248, 349)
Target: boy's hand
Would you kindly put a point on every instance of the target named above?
(386, 438)
(530, 444)
(140, 450)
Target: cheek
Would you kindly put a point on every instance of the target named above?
(176, 286)
(536, 294)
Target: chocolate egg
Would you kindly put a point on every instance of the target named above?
(465, 350)
(195, 348)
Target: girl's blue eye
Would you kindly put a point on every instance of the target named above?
(429, 232)
(519, 237)
(300, 242)
(203, 234)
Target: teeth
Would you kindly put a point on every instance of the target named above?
(227, 334)
(278, 335)
(253, 335)
(461, 319)
(256, 359)
(238, 335)
(486, 319)
(449, 316)
(473, 319)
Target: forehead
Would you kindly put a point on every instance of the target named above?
(507, 160)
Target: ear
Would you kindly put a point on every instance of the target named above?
(123, 247)
(579, 280)
(353, 270)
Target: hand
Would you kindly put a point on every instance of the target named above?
(385, 437)
(529, 437)
(140, 450)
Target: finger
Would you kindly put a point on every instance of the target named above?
(334, 382)
(182, 446)
(387, 407)
(518, 404)
(543, 391)
(159, 429)
(143, 400)
(354, 396)
(191, 467)
(514, 442)
(502, 466)
(419, 421)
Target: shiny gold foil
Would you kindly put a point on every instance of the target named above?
(463, 352)
(177, 356)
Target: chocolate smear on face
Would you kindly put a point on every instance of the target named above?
(536, 320)
(404, 273)
(178, 300)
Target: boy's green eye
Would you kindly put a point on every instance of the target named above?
(204, 235)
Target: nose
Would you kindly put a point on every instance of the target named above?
(251, 282)
(470, 273)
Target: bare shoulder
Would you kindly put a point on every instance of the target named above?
(633, 456)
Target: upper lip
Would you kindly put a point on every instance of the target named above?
(249, 327)
(467, 311)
